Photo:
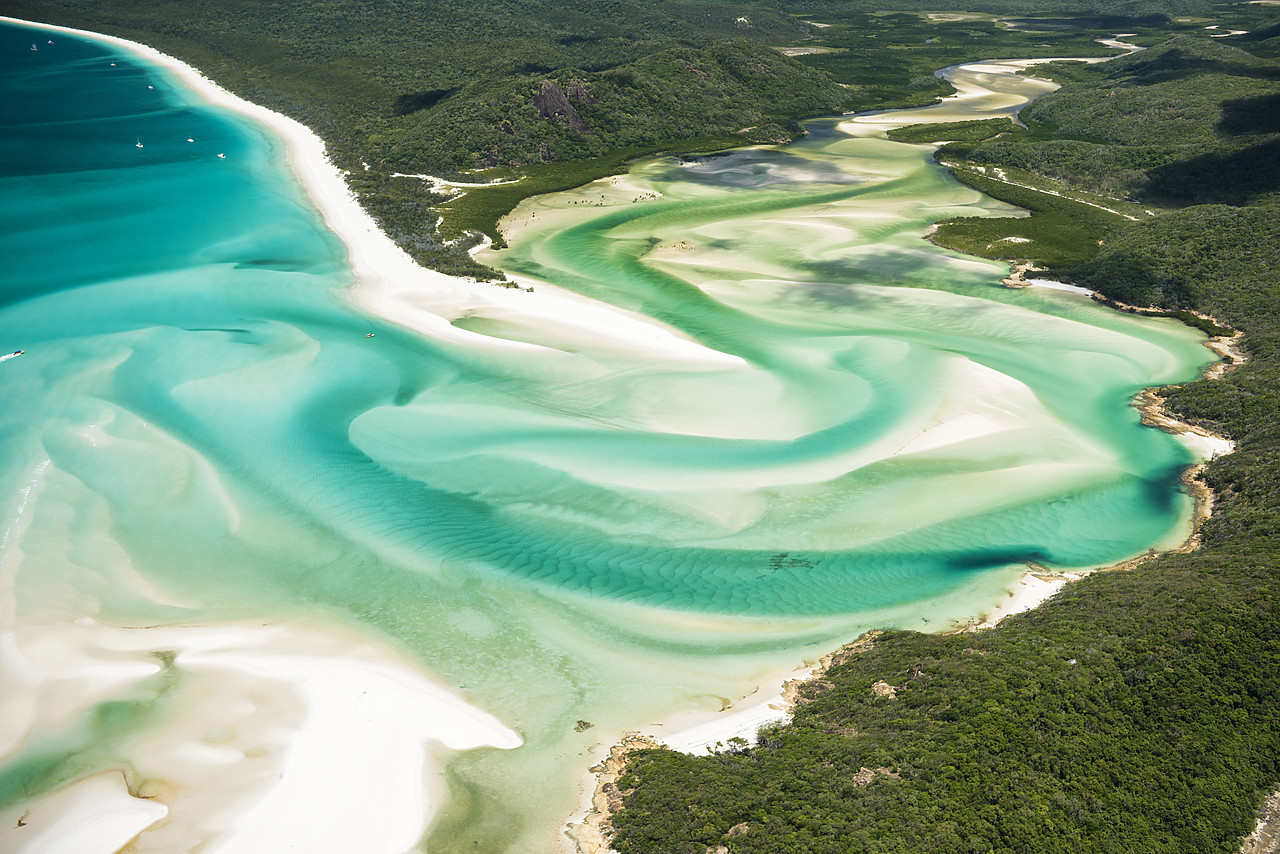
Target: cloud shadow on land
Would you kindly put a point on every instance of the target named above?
(1234, 177)
(1245, 116)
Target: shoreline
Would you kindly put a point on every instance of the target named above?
(1033, 588)
(392, 286)
(245, 757)
(589, 829)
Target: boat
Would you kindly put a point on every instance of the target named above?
(139, 142)
(15, 354)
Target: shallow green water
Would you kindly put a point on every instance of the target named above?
(200, 430)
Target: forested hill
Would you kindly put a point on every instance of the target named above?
(558, 93)
(404, 86)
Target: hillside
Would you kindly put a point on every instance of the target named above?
(397, 87)
(394, 86)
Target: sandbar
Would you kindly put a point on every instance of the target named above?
(268, 739)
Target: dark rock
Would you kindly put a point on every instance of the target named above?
(577, 91)
(698, 72)
(552, 103)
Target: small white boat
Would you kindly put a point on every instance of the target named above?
(139, 142)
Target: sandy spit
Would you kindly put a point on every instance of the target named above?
(393, 286)
(281, 737)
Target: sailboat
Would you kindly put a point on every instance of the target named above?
(139, 143)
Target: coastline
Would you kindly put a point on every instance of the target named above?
(281, 735)
(590, 829)
(391, 285)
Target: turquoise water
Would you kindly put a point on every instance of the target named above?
(200, 430)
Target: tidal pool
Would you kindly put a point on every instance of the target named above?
(266, 580)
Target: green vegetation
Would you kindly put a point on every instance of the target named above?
(890, 59)
(978, 130)
(562, 92)
(1060, 232)
(1136, 712)
(1189, 121)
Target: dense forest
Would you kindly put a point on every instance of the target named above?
(1136, 712)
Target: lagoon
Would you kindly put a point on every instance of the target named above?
(265, 580)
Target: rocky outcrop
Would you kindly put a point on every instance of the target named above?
(593, 834)
(551, 102)
(1265, 838)
(577, 91)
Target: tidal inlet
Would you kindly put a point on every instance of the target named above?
(301, 546)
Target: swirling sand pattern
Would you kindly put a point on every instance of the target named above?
(859, 430)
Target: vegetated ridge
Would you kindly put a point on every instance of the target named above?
(460, 90)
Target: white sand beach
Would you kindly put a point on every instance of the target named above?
(278, 738)
(271, 738)
(392, 285)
